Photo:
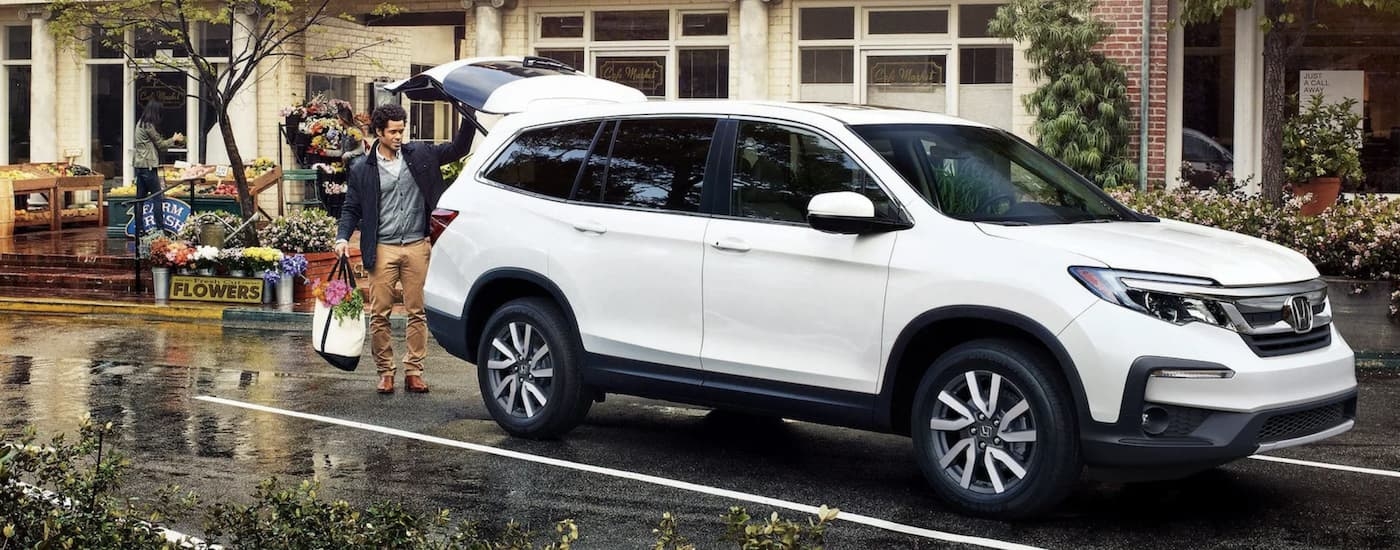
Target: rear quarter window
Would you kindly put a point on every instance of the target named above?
(545, 161)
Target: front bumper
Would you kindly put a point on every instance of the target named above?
(1197, 438)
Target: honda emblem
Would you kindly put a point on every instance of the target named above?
(1298, 313)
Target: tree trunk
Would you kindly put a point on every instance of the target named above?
(240, 178)
(1275, 59)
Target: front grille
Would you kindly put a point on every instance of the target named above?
(1302, 423)
(1272, 345)
(1266, 318)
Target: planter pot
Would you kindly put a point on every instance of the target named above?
(1361, 312)
(318, 267)
(1324, 194)
(185, 271)
(205, 271)
(160, 281)
(284, 291)
(237, 273)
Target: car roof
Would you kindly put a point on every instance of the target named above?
(849, 114)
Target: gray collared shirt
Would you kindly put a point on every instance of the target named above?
(400, 201)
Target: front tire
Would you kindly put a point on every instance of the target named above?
(994, 430)
(528, 368)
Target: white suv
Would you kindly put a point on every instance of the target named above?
(881, 269)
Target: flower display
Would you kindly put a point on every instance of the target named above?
(170, 253)
(206, 257)
(262, 258)
(288, 266)
(231, 259)
(301, 232)
(345, 302)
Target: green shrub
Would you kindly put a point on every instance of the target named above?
(60, 496)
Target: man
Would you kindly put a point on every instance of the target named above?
(392, 194)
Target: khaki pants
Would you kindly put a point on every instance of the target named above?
(406, 263)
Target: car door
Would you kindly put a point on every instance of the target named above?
(631, 262)
(784, 302)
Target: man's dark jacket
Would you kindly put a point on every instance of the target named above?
(423, 160)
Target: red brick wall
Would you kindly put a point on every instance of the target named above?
(1125, 47)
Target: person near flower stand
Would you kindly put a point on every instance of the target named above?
(392, 193)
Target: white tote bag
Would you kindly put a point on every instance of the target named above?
(338, 341)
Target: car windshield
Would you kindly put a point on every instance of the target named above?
(987, 175)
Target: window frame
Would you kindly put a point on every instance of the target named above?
(724, 208)
(865, 44)
(669, 49)
(6, 65)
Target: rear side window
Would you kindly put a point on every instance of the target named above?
(545, 160)
(651, 163)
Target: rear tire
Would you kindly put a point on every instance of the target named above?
(994, 430)
(528, 367)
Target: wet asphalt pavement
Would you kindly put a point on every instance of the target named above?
(146, 377)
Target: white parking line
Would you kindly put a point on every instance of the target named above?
(714, 491)
(1296, 462)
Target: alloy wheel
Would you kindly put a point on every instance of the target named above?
(520, 370)
(984, 432)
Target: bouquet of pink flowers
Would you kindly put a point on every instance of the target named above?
(345, 302)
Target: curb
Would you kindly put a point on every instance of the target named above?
(173, 312)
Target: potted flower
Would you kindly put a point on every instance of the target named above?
(284, 275)
(206, 260)
(1322, 146)
(231, 261)
(163, 255)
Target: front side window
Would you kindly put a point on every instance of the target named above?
(778, 169)
(545, 161)
(987, 175)
(653, 163)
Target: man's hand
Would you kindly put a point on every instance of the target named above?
(341, 248)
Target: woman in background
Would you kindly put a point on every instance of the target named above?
(149, 148)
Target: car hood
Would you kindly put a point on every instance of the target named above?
(1170, 246)
(506, 85)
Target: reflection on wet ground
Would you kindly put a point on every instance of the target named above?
(144, 376)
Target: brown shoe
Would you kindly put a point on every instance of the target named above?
(386, 384)
(414, 383)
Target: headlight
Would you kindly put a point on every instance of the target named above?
(1178, 308)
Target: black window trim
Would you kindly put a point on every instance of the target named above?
(709, 192)
(731, 139)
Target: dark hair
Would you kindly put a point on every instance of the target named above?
(385, 113)
(150, 115)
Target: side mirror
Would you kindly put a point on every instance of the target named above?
(848, 213)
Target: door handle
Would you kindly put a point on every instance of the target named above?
(590, 227)
(731, 244)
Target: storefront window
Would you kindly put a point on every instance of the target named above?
(103, 45)
(17, 92)
(645, 73)
(216, 40)
(330, 86)
(909, 22)
(561, 26)
(704, 24)
(107, 126)
(827, 23)
(704, 74)
(973, 20)
(901, 59)
(17, 42)
(154, 43)
(1360, 52)
(691, 63)
(631, 25)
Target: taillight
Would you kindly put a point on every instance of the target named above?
(441, 218)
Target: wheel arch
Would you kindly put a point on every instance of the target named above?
(499, 286)
(936, 331)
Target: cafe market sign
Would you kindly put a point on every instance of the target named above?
(647, 74)
(217, 289)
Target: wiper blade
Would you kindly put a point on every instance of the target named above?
(1098, 220)
(1013, 223)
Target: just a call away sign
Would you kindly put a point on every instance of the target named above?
(173, 213)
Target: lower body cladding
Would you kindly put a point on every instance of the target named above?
(1164, 441)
